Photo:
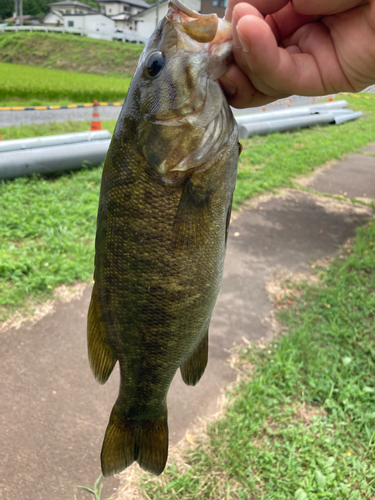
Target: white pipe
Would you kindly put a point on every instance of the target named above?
(289, 112)
(53, 140)
(264, 128)
(51, 159)
(268, 127)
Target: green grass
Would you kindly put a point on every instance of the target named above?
(47, 231)
(25, 83)
(301, 425)
(70, 53)
(58, 226)
(270, 162)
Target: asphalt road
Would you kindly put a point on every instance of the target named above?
(16, 118)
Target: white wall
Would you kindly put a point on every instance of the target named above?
(72, 9)
(193, 4)
(52, 18)
(90, 23)
(112, 9)
(147, 27)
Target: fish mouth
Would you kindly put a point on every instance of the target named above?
(202, 28)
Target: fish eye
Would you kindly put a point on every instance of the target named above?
(155, 63)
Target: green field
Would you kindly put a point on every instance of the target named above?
(70, 53)
(301, 424)
(51, 243)
(25, 83)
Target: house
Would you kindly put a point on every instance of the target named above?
(29, 19)
(90, 23)
(55, 16)
(214, 7)
(145, 22)
(126, 7)
(71, 7)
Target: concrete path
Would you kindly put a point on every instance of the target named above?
(52, 412)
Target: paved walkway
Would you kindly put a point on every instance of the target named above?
(53, 414)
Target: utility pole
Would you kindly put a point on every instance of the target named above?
(21, 12)
(157, 13)
(15, 11)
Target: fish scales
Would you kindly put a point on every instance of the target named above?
(163, 218)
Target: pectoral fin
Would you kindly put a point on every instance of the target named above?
(191, 220)
(101, 358)
(193, 369)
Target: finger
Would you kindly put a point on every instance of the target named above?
(241, 10)
(263, 6)
(315, 7)
(314, 71)
(322, 7)
(286, 21)
(239, 90)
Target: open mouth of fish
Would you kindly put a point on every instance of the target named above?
(186, 56)
(202, 28)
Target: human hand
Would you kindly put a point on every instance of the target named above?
(305, 47)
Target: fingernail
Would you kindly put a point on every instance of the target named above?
(244, 42)
(236, 42)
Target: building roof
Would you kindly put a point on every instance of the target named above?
(96, 13)
(120, 17)
(73, 3)
(56, 13)
(25, 17)
(135, 3)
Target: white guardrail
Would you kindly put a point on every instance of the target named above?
(106, 35)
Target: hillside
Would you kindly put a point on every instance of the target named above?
(70, 53)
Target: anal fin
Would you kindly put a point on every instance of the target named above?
(126, 441)
(193, 369)
(101, 358)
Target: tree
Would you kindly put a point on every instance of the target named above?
(6, 8)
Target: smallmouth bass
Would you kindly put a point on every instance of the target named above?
(162, 226)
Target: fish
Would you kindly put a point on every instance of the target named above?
(162, 226)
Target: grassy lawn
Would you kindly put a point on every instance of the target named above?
(51, 241)
(23, 84)
(70, 53)
(301, 425)
(271, 161)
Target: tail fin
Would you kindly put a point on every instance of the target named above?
(126, 441)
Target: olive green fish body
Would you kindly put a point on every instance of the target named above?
(160, 249)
